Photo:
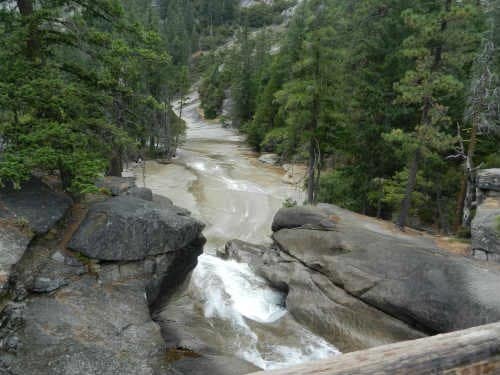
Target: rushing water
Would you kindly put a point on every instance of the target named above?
(222, 183)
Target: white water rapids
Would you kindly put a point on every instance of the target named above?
(219, 180)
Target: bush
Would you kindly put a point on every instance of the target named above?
(275, 141)
(289, 203)
(337, 187)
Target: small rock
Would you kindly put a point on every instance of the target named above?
(489, 179)
(295, 217)
(271, 159)
(116, 185)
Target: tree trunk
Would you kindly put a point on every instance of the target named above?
(65, 175)
(181, 106)
(469, 195)
(459, 212)
(472, 351)
(425, 121)
(410, 188)
(311, 180)
(442, 222)
(116, 165)
(33, 41)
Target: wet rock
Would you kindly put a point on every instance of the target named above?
(404, 275)
(171, 272)
(126, 228)
(189, 336)
(296, 217)
(326, 309)
(271, 159)
(35, 205)
(241, 251)
(212, 364)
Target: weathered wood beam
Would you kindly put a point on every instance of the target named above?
(472, 351)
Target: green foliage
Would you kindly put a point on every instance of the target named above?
(212, 93)
(370, 85)
(338, 187)
(357, 91)
(289, 203)
(277, 140)
(260, 15)
(76, 98)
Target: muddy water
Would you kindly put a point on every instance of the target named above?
(226, 306)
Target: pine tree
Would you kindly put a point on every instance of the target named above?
(438, 48)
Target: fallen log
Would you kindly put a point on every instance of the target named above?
(471, 351)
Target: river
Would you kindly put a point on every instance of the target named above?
(217, 177)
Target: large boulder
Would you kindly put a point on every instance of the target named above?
(34, 205)
(485, 230)
(314, 301)
(489, 179)
(295, 217)
(404, 275)
(127, 229)
(270, 159)
(34, 209)
(84, 314)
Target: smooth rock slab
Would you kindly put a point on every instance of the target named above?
(88, 329)
(126, 229)
(405, 275)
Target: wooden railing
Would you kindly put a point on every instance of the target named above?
(472, 351)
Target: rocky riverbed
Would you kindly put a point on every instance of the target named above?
(360, 282)
(81, 282)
